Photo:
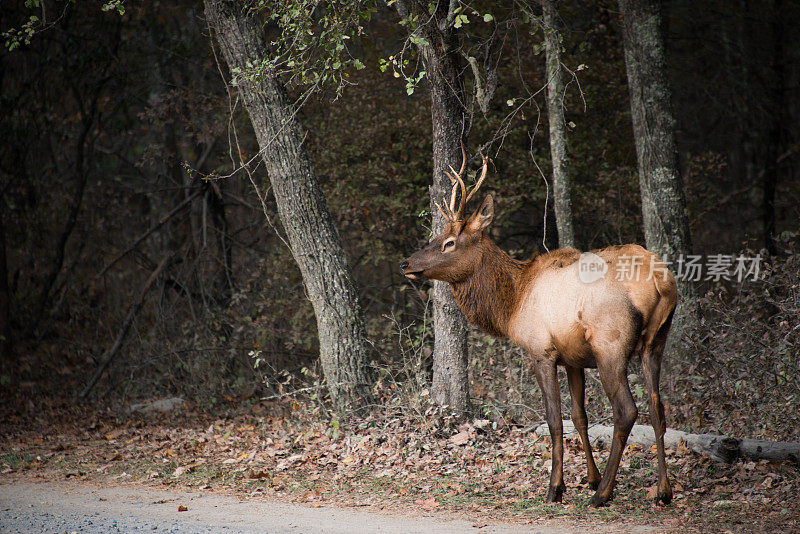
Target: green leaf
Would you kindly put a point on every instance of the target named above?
(418, 40)
(488, 17)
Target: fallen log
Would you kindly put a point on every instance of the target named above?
(720, 448)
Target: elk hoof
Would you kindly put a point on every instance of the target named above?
(664, 497)
(554, 494)
(598, 500)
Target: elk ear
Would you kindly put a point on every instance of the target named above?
(483, 216)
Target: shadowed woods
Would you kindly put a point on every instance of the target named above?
(210, 201)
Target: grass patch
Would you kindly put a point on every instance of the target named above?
(16, 460)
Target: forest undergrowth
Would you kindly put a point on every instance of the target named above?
(734, 373)
(392, 459)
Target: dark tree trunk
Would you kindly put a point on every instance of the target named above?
(450, 123)
(562, 203)
(769, 184)
(5, 301)
(223, 280)
(777, 136)
(450, 376)
(666, 225)
(5, 294)
(303, 211)
(82, 176)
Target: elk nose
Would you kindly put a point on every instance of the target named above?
(403, 266)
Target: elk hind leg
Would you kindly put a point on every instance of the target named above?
(577, 382)
(615, 384)
(651, 367)
(547, 377)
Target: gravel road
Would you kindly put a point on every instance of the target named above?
(81, 507)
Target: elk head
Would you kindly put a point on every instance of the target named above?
(452, 255)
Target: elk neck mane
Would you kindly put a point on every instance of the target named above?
(491, 295)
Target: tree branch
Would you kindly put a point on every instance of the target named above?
(152, 229)
(126, 326)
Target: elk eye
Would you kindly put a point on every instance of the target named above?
(448, 244)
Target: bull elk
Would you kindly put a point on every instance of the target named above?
(560, 316)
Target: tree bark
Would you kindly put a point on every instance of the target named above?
(223, 279)
(666, 225)
(780, 121)
(450, 125)
(562, 203)
(450, 385)
(6, 342)
(82, 176)
(303, 211)
(5, 301)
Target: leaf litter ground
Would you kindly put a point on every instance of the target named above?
(407, 464)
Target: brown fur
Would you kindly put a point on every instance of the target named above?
(542, 305)
(488, 297)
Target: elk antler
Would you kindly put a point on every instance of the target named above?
(478, 183)
(445, 215)
(458, 183)
(455, 177)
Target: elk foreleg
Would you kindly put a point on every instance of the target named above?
(615, 384)
(577, 383)
(547, 377)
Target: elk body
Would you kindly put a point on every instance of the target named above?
(547, 306)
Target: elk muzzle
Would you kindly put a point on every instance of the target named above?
(414, 266)
(408, 273)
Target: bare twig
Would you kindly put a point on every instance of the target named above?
(145, 235)
(126, 326)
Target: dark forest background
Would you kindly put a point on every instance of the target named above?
(119, 148)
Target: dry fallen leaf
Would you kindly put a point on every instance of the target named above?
(652, 492)
(461, 438)
(311, 495)
(428, 504)
(182, 508)
(114, 434)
